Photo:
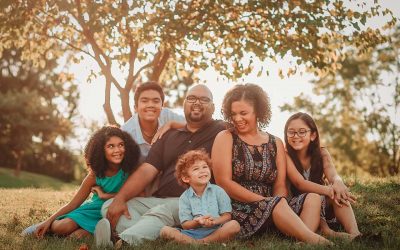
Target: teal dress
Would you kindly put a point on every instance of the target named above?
(89, 213)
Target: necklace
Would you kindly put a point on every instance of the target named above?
(149, 136)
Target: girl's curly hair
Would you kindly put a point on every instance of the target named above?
(253, 94)
(95, 156)
(186, 160)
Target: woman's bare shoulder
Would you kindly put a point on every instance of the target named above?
(224, 134)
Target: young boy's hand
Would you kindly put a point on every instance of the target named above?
(205, 220)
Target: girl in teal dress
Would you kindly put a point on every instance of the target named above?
(111, 156)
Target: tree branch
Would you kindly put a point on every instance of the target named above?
(141, 69)
(159, 65)
(105, 67)
(132, 57)
(89, 35)
(72, 46)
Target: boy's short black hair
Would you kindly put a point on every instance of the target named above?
(148, 86)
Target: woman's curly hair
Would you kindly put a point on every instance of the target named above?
(186, 160)
(253, 94)
(95, 156)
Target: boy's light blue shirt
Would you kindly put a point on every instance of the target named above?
(214, 201)
(132, 127)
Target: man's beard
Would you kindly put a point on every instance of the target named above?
(196, 118)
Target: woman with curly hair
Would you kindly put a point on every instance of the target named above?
(111, 156)
(251, 166)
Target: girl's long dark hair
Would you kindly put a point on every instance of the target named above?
(314, 149)
(95, 156)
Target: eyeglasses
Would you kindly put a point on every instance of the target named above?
(202, 99)
(300, 133)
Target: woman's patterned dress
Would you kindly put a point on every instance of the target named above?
(254, 168)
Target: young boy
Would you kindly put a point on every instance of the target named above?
(204, 208)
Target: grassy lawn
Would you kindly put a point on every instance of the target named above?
(30, 180)
(377, 210)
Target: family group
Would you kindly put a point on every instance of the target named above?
(197, 180)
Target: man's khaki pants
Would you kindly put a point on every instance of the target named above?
(148, 216)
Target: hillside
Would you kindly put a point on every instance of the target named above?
(30, 180)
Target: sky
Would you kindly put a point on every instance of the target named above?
(280, 91)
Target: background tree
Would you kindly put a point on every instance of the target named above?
(359, 111)
(36, 107)
(152, 40)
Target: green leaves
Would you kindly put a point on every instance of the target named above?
(36, 106)
(222, 33)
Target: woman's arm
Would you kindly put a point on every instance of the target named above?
(280, 188)
(221, 156)
(77, 200)
(304, 185)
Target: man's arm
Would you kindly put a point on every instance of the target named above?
(133, 186)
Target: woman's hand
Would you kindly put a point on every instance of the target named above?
(43, 228)
(342, 194)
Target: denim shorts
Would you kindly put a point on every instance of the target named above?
(199, 233)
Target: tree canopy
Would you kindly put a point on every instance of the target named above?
(36, 107)
(170, 40)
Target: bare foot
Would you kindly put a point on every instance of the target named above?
(170, 233)
(79, 234)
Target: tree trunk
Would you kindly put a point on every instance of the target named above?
(126, 110)
(393, 162)
(18, 158)
(107, 102)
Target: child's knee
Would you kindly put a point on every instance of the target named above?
(235, 226)
(164, 231)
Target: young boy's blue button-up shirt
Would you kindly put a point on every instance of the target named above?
(214, 201)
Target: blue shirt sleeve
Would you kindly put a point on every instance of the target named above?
(185, 210)
(168, 115)
(224, 202)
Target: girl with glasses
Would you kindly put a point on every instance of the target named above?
(308, 164)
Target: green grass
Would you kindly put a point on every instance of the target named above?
(377, 210)
(30, 180)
